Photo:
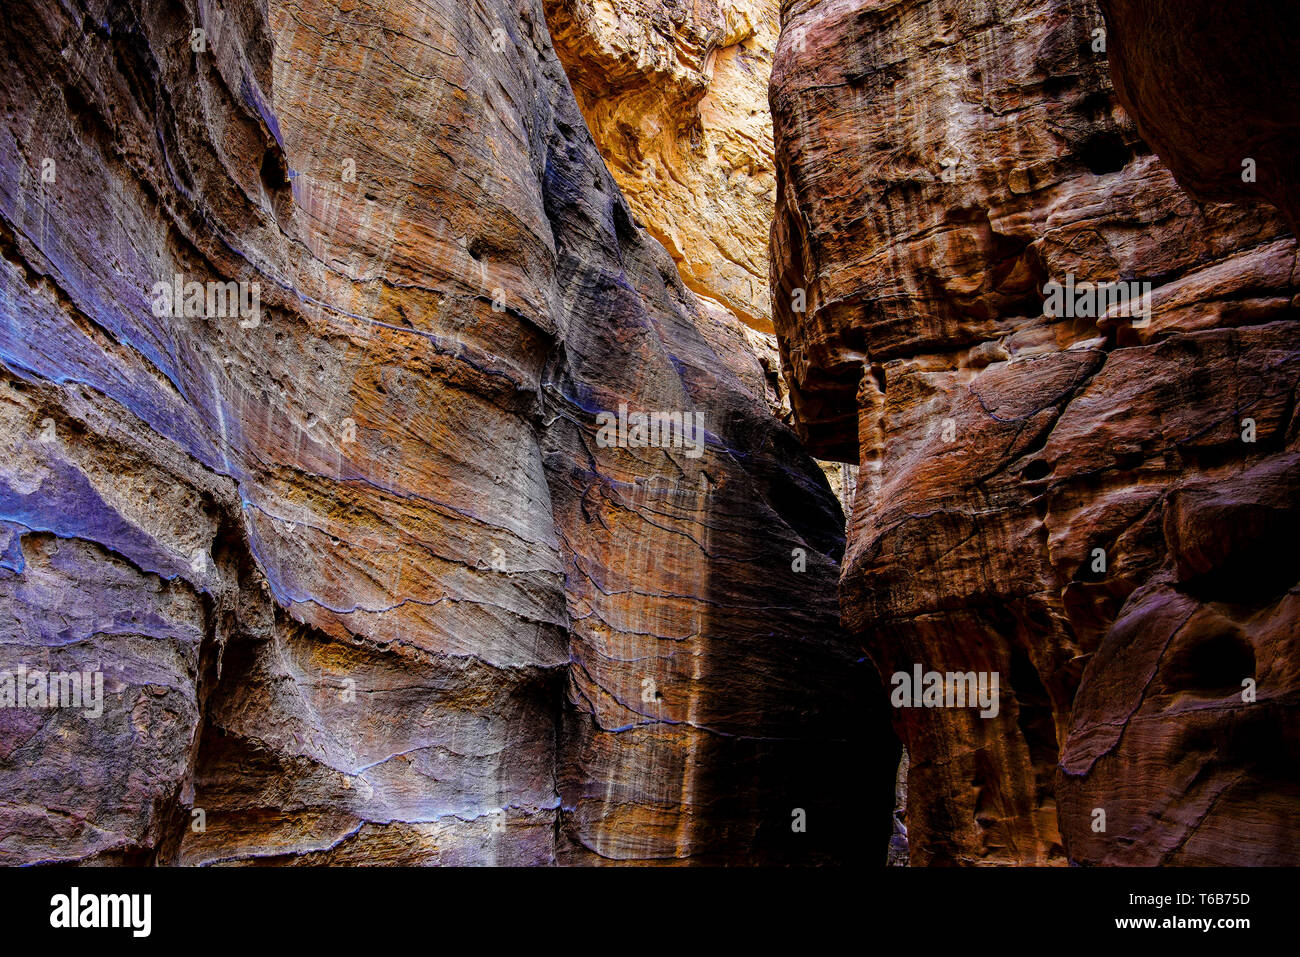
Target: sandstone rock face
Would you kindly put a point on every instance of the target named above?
(1043, 492)
(1187, 772)
(676, 97)
(1215, 90)
(675, 94)
(363, 583)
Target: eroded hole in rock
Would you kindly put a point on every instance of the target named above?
(274, 174)
(1037, 470)
(1211, 667)
(1104, 153)
(274, 171)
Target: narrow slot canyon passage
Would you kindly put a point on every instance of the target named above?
(769, 433)
(363, 575)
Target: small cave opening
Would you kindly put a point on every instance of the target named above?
(274, 171)
(1037, 470)
(1104, 153)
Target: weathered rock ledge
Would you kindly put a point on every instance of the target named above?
(1084, 504)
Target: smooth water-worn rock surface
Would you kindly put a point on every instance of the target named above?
(1215, 90)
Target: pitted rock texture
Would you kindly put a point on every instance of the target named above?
(1033, 491)
(362, 583)
(675, 94)
(1215, 90)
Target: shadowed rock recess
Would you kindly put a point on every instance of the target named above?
(361, 582)
(1099, 508)
(1215, 91)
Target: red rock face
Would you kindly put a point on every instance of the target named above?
(1215, 91)
(361, 579)
(1189, 767)
(1043, 491)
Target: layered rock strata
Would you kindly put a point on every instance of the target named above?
(1081, 499)
(675, 94)
(362, 580)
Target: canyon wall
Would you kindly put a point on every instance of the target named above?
(1089, 502)
(1215, 91)
(675, 94)
(362, 580)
